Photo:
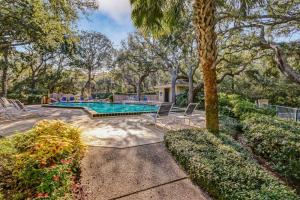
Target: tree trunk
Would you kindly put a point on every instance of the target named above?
(89, 84)
(33, 83)
(283, 65)
(173, 85)
(205, 23)
(4, 74)
(191, 87)
(139, 85)
(138, 90)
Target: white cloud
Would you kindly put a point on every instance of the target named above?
(118, 10)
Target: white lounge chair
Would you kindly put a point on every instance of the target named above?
(188, 113)
(162, 112)
(14, 109)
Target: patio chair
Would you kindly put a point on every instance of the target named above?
(81, 99)
(6, 102)
(163, 111)
(14, 112)
(63, 99)
(188, 113)
(20, 107)
(72, 99)
(3, 111)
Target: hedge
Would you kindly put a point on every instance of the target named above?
(235, 106)
(275, 121)
(277, 141)
(219, 166)
(40, 163)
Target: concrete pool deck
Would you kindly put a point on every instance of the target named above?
(125, 159)
(120, 131)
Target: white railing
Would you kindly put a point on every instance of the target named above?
(285, 112)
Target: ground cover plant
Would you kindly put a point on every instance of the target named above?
(277, 141)
(40, 163)
(223, 167)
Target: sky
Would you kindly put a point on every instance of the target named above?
(112, 19)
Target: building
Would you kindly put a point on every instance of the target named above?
(165, 91)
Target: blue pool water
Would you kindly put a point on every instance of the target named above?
(108, 108)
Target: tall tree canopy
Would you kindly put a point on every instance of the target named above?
(260, 23)
(93, 53)
(46, 24)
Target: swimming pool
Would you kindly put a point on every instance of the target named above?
(108, 109)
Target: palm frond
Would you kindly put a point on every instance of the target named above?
(156, 16)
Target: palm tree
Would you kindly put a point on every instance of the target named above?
(160, 16)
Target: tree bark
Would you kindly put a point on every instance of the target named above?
(89, 84)
(283, 65)
(138, 90)
(139, 85)
(33, 83)
(191, 87)
(205, 24)
(173, 84)
(4, 73)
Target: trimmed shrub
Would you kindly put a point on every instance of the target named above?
(41, 163)
(234, 106)
(243, 107)
(221, 167)
(230, 125)
(277, 141)
(288, 125)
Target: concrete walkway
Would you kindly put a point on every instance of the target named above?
(142, 172)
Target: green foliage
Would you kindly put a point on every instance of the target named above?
(41, 162)
(227, 102)
(199, 98)
(157, 17)
(221, 167)
(235, 106)
(26, 99)
(182, 99)
(43, 23)
(243, 107)
(230, 125)
(277, 141)
(34, 99)
(103, 95)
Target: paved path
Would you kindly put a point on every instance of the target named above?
(142, 172)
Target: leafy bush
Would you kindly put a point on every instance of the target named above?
(182, 99)
(229, 100)
(274, 121)
(230, 125)
(243, 107)
(221, 167)
(41, 162)
(103, 95)
(34, 99)
(234, 106)
(277, 141)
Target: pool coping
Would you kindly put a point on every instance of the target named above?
(94, 114)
